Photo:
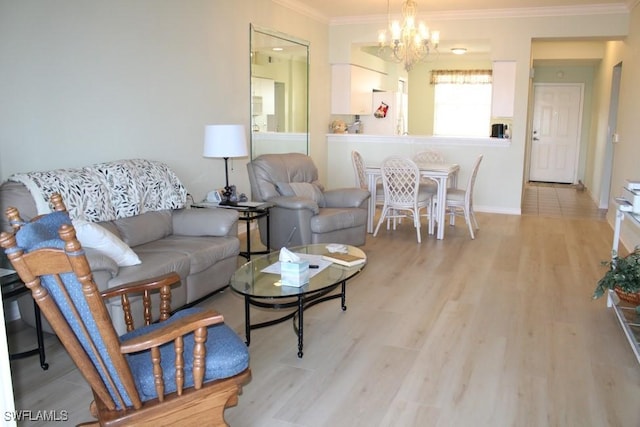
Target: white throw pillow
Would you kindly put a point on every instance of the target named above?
(94, 236)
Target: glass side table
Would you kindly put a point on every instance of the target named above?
(248, 211)
(12, 287)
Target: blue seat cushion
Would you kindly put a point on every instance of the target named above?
(226, 356)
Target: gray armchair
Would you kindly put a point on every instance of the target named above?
(302, 212)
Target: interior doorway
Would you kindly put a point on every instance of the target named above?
(278, 121)
(556, 129)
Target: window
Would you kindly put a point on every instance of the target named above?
(462, 102)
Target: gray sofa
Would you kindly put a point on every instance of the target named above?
(201, 245)
(303, 211)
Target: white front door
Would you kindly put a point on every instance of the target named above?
(557, 114)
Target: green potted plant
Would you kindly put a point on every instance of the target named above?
(623, 277)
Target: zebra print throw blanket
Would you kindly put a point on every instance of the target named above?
(107, 191)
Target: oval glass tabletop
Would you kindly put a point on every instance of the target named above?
(251, 280)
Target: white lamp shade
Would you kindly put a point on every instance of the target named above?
(225, 141)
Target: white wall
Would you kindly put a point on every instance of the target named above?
(626, 154)
(85, 82)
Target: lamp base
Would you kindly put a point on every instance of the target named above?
(229, 191)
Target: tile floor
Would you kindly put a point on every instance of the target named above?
(559, 200)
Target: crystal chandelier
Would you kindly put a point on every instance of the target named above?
(409, 43)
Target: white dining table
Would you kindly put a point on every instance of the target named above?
(444, 174)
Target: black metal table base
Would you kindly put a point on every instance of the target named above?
(247, 217)
(38, 350)
(301, 303)
(12, 287)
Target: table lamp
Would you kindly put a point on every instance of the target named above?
(224, 141)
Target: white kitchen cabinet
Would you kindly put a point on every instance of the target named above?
(504, 88)
(352, 88)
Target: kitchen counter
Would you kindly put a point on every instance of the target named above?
(421, 139)
(499, 184)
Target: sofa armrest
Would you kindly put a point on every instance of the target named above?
(100, 262)
(346, 198)
(205, 222)
(295, 203)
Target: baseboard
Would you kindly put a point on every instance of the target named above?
(497, 210)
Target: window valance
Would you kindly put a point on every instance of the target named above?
(461, 77)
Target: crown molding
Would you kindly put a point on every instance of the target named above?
(520, 12)
(303, 9)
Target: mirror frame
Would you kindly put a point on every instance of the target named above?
(288, 139)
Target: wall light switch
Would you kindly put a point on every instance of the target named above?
(615, 138)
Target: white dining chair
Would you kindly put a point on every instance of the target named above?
(428, 156)
(424, 158)
(460, 201)
(361, 177)
(403, 195)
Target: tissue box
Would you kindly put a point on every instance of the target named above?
(294, 273)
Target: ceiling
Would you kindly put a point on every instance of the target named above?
(332, 10)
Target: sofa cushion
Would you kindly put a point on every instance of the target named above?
(94, 236)
(205, 222)
(203, 252)
(332, 219)
(140, 229)
(153, 264)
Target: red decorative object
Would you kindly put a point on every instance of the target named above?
(381, 112)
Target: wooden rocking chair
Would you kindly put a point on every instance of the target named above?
(183, 370)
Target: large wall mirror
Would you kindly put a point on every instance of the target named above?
(279, 93)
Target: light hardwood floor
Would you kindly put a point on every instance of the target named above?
(497, 331)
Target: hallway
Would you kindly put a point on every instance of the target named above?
(559, 200)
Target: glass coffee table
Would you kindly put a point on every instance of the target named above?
(264, 289)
